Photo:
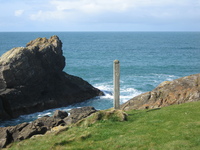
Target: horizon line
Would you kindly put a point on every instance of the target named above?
(98, 31)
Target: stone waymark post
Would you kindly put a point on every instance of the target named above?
(116, 78)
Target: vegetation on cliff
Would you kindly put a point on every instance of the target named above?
(173, 127)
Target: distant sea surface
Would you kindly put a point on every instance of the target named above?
(146, 60)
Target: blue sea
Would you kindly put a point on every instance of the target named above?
(146, 60)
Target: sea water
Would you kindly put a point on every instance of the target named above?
(146, 60)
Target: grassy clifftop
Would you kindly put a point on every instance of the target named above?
(173, 127)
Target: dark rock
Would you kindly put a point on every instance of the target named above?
(49, 122)
(3, 114)
(42, 125)
(10, 134)
(78, 114)
(39, 126)
(4, 138)
(182, 90)
(33, 128)
(60, 114)
(15, 131)
(27, 130)
(32, 80)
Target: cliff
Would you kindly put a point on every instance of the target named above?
(32, 79)
(182, 90)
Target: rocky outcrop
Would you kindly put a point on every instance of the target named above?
(77, 114)
(32, 79)
(182, 90)
(42, 125)
(57, 123)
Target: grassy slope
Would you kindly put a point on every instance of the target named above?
(174, 127)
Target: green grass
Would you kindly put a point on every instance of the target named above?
(169, 128)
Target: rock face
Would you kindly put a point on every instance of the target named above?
(182, 90)
(32, 79)
(42, 125)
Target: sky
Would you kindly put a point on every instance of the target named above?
(99, 15)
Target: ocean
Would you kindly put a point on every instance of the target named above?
(146, 60)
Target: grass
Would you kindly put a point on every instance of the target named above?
(169, 128)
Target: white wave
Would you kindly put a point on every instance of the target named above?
(107, 89)
(106, 96)
(125, 92)
(101, 102)
(128, 93)
(44, 114)
(104, 86)
(165, 77)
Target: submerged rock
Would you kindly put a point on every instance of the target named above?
(32, 79)
(182, 90)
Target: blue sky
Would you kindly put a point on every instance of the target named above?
(99, 15)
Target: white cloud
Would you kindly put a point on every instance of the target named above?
(79, 10)
(98, 13)
(19, 12)
(91, 6)
(48, 15)
(100, 6)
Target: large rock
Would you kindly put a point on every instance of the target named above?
(60, 114)
(182, 90)
(32, 79)
(77, 114)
